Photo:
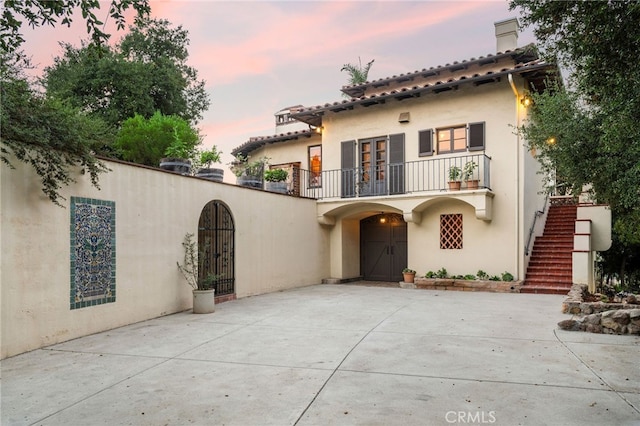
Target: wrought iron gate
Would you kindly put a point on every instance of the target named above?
(216, 243)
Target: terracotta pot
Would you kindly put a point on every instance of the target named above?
(472, 184)
(454, 185)
(408, 277)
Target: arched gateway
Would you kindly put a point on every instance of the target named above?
(216, 243)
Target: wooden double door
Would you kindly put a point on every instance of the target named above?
(383, 247)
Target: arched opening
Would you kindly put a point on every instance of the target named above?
(383, 247)
(216, 243)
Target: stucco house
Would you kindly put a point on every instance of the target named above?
(379, 165)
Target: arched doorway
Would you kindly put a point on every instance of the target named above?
(216, 244)
(383, 247)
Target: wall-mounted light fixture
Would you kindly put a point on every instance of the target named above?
(317, 129)
(526, 101)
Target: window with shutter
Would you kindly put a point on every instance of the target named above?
(425, 142)
(476, 136)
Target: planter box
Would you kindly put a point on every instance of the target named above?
(451, 284)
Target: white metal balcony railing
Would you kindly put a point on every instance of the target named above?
(394, 179)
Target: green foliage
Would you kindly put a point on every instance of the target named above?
(146, 72)
(469, 277)
(147, 141)
(208, 157)
(454, 173)
(275, 175)
(482, 275)
(430, 274)
(506, 276)
(40, 13)
(193, 263)
(243, 167)
(442, 273)
(53, 138)
(494, 278)
(408, 271)
(357, 73)
(468, 170)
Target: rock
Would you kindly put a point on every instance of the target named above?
(586, 308)
(621, 317)
(609, 323)
(570, 325)
(594, 328)
(632, 299)
(634, 314)
(592, 319)
(633, 329)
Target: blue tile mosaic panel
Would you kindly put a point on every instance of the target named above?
(93, 252)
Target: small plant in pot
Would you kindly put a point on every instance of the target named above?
(454, 178)
(249, 173)
(203, 289)
(177, 157)
(276, 180)
(205, 160)
(469, 175)
(409, 275)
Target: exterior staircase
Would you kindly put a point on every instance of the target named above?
(550, 266)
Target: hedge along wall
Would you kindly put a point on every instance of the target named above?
(139, 218)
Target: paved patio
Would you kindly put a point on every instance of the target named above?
(335, 355)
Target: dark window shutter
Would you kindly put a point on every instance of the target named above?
(476, 136)
(396, 163)
(396, 148)
(348, 165)
(425, 142)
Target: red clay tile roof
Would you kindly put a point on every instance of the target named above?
(258, 141)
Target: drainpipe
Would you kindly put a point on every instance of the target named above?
(519, 273)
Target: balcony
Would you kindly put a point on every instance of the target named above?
(394, 179)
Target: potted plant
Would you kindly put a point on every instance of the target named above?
(408, 275)
(203, 289)
(454, 178)
(177, 157)
(469, 174)
(276, 180)
(205, 160)
(249, 173)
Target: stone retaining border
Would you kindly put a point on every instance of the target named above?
(599, 317)
(450, 284)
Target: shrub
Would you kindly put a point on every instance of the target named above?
(506, 276)
(430, 274)
(482, 275)
(494, 278)
(469, 277)
(442, 273)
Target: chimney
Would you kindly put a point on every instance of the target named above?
(507, 34)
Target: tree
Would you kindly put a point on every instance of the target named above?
(39, 12)
(48, 135)
(146, 72)
(357, 73)
(593, 121)
(145, 141)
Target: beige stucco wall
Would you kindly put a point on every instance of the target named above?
(279, 244)
(514, 181)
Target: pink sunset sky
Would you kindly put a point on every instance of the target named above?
(260, 57)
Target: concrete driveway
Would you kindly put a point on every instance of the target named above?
(335, 355)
